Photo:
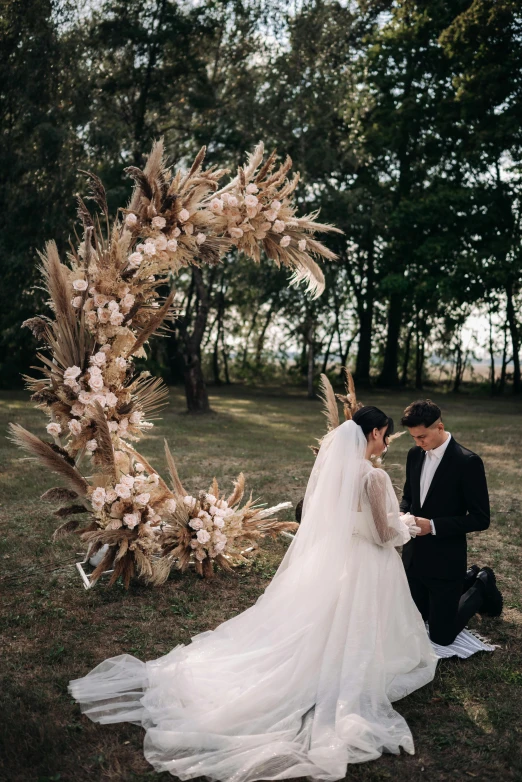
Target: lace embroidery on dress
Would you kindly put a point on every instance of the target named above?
(378, 498)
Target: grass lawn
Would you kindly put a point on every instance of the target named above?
(466, 724)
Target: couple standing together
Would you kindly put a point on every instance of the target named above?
(302, 683)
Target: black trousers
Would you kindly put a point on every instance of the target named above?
(447, 606)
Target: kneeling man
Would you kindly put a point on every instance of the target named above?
(446, 491)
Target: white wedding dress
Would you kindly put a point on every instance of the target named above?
(301, 683)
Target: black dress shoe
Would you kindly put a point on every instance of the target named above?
(470, 577)
(493, 601)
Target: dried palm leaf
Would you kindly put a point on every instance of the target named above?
(59, 494)
(153, 325)
(65, 529)
(45, 454)
(330, 408)
(177, 486)
(239, 490)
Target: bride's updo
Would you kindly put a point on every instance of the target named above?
(370, 418)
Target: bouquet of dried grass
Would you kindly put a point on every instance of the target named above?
(106, 306)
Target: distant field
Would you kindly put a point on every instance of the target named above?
(466, 724)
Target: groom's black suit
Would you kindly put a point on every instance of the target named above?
(458, 503)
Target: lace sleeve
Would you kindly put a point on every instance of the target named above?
(387, 528)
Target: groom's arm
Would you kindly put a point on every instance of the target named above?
(475, 490)
(406, 493)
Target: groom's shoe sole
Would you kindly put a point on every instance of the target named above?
(493, 600)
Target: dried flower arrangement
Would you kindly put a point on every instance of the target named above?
(106, 306)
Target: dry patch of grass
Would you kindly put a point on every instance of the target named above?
(466, 724)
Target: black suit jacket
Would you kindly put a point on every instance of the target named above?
(458, 503)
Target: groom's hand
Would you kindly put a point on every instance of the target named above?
(424, 524)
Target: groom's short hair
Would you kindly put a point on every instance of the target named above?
(422, 412)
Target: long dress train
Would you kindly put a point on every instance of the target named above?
(301, 683)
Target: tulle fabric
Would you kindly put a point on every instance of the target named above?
(300, 684)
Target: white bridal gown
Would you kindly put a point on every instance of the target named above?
(300, 684)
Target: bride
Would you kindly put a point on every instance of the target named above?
(301, 683)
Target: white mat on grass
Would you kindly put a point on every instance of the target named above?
(465, 644)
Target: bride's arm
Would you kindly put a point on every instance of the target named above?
(388, 529)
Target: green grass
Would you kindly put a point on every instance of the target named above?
(466, 724)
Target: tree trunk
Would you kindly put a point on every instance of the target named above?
(503, 372)
(419, 359)
(261, 338)
(195, 388)
(327, 353)
(311, 357)
(389, 376)
(492, 379)
(406, 359)
(364, 349)
(515, 342)
(247, 340)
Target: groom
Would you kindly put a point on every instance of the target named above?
(446, 490)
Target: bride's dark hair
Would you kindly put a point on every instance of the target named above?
(370, 418)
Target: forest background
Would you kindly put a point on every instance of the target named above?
(402, 117)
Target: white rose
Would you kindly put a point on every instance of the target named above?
(188, 228)
(95, 382)
(131, 220)
(77, 301)
(285, 240)
(278, 227)
(100, 300)
(149, 248)
(172, 245)
(98, 498)
(216, 205)
(232, 201)
(113, 306)
(161, 243)
(53, 429)
(103, 315)
(251, 201)
(184, 215)
(127, 301)
(135, 417)
(276, 205)
(176, 232)
(122, 491)
(117, 318)
(77, 409)
(91, 319)
(85, 397)
(302, 245)
(80, 285)
(159, 222)
(203, 536)
(190, 501)
(113, 426)
(139, 467)
(111, 399)
(201, 238)
(171, 506)
(91, 447)
(143, 499)
(111, 496)
(252, 188)
(196, 524)
(135, 259)
(99, 359)
(219, 522)
(71, 373)
(127, 480)
(131, 519)
(75, 427)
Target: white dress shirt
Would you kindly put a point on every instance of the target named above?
(429, 467)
